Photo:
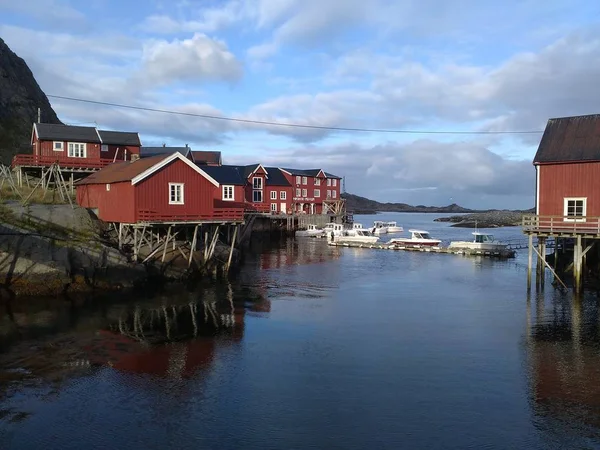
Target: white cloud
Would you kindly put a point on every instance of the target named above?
(51, 12)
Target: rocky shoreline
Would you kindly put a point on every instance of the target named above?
(489, 219)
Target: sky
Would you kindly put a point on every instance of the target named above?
(406, 65)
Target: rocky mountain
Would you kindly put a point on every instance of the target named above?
(20, 98)
(362, 205)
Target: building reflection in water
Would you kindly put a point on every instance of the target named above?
(563, 344)
(298, 251)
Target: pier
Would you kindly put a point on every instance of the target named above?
(503, 254)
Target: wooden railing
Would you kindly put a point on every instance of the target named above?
(258, 207)
(231, 214)
(63, 161)
(561, 224)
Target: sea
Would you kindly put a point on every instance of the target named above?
(311, 346)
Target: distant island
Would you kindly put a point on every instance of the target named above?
(465, 218)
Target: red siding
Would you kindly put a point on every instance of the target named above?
(114, 205)
(558, 181)
(249, 187)
(93, 150)
(152, 194)
(278, 201)
(238, 193)
(123, 152)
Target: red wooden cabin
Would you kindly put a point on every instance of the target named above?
(567, 166)
(78, 147)
(161, 188)
(312, 188)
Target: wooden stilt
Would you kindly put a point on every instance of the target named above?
(544, 264)
(164, 255)
(231, 249)
(549, 267)
(577, 254)
(530, 261)
(193, 248)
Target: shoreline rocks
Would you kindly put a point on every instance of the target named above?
(490, 219)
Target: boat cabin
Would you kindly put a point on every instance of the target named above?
(481, 238)
(357, 226)
(419, 234)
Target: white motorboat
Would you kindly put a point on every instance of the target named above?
(336, 228)
(311, 231)
(418, 238)
(379, 228)
(481, 241)
(392, 227)
(357, 226)
(357, 235)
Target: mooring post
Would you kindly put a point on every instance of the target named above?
(543, 261)
(530, 261)
(577, 264)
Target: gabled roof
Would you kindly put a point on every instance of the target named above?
(146, 152)
(138, 170)
(276, 177)
(232, 175)
(55, 132)
(120, 138)
(207, 157)
(309, 172)
(570, 139)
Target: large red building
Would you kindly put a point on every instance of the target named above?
(567, 166)
(161, 188)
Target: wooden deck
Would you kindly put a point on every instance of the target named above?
(504, 254)
(77, 164)
(561, 226)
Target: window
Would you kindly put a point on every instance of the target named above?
(328, 193)
(298, 180)
(175, 193)
(334, 182)
(228, 193)
(575, 209)
(104, 148)
(317, 182)
(304, 194)
(334, 194)
(328, 181)
(273, 207)
(108, 187)
(298, 193)
(76, 150)
(304, 180)
(273, 195)
(317, 193)
(282, 195)
(257, 183)
(57, 146)
(257, 196)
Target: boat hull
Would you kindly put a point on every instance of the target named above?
(477, 246)
(357, 239)
(308, 233)
(392, 230)
(416, 242)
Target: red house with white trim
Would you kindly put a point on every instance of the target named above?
(314, 190)
(162, 188)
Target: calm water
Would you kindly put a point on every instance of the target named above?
(312, 347)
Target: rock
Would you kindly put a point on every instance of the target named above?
(20, 98)
(489, 219)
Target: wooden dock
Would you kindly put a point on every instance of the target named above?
(501, 254)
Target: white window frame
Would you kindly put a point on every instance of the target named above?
(328, 193)
(304, 180)
(334, 182)
(282, 195)
(81, 146)
(61, 144)
(257, 191)
(333, 194)
(568, 218)
(104, 147)
(298, 178)
(304, 193)
(180, 201)
(227, 189)
(298, 192)
(257, 186)
(317, 193)
(273, 207)
(328, 181)
(273, 195)
(107, 187)
(317, 182)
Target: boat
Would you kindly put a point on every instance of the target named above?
(392, 227)
(481, 241)
(357, 235)
(418, 238)
(311, 231)
(357, 226)
(379, 228)
(336, 228)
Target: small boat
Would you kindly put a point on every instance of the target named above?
(379, 228)
(336, 228)
(418, 238)
(311, 231)
(357, 226)
(357, 235)
(481, 241)
(392, 227)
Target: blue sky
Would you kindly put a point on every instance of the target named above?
(429, 65)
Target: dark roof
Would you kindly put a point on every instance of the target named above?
(570, 139)
(146, 152)
(226, 174)
(208, 157)
(119, 138)
(310, 172)
(123, 171)
(54, 132)
(276, 177)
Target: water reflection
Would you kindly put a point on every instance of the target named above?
(564, 360)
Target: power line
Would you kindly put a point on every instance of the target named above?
(282, 124)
